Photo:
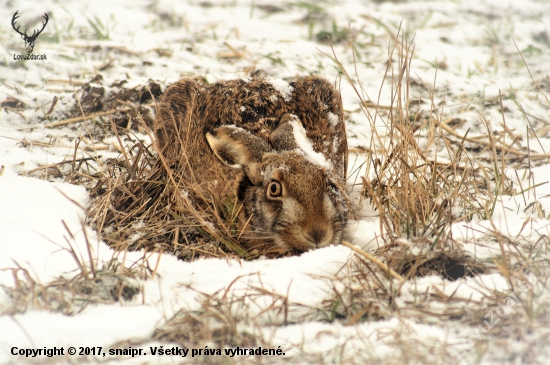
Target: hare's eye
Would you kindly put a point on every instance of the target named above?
(274, 190)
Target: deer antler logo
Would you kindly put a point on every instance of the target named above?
(29, 40)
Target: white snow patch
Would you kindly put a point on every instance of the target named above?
(335, 144)
(364, 234)
(305, 146)
(283, 87)
(332, 119)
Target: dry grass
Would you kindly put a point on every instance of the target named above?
(425, 177)
(93, 283)
(70, 296)
(228, 318)
(422, 185)
(417, 195)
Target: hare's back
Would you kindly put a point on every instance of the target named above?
(259, 106)
(251, 104)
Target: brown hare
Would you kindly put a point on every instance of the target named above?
(279, 147)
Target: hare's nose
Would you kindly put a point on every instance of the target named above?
(316, 234)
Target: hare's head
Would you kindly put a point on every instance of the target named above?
(288, 199)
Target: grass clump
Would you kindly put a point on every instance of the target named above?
(108, 283)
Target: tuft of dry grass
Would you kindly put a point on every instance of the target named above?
(424, 176)
(70, 296)
(244, 317)
(224, 319)
(93, 283)
(418, 194)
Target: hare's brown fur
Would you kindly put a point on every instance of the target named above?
(253, 117)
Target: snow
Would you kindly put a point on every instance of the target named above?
(472, 44)
(30, 230)
(305, 146)
(103, 325)
(282, 87)
(332, 119)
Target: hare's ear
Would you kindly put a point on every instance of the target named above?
(239, 148)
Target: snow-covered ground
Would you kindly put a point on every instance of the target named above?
(467, 52)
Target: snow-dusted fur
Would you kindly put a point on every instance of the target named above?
(279, 147)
